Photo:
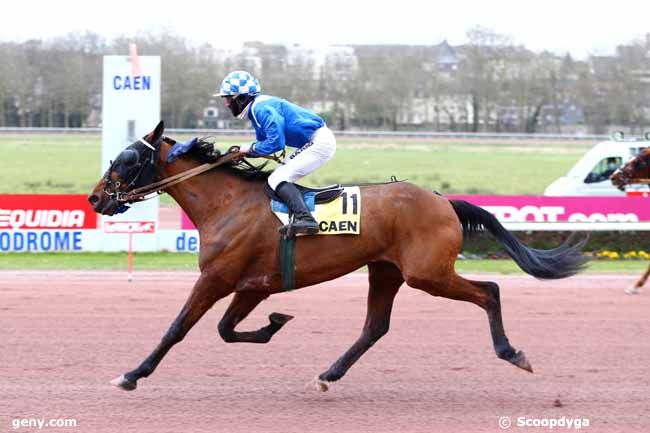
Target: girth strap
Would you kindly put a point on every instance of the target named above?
(288, 261)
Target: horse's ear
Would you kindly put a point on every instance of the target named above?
(158, 132)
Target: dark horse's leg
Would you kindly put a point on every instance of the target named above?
(636, 287)
(242, 304)
(492, 306)
(206, 292)
(385, 281)
(485, 294)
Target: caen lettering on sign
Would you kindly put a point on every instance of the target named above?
(132, 83)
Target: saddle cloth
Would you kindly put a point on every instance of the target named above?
(341, 216)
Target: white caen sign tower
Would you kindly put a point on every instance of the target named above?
(130, 109)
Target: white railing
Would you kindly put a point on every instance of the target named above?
(368, 134)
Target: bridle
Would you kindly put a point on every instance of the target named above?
(142, 164)
(637, 164)
(159, 186)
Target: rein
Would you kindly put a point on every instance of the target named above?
(146, 192)
(140, 194)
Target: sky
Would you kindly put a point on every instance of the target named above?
(575, 26)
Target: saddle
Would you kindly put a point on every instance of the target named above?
(320, 195)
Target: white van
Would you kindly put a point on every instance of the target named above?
(590, 175)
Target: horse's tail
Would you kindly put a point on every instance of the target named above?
(560, 262)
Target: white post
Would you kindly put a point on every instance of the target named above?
(130, 109)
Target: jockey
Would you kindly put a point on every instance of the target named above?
(279, 123)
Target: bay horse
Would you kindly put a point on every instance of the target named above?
(409, 235)
(635, 171)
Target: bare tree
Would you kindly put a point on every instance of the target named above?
(482, 68)
(497, 85)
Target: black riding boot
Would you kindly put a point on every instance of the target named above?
(303, 221)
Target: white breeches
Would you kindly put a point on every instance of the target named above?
(307, 159)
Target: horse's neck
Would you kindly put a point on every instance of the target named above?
(204, 196)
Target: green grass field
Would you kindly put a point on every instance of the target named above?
(62, 164)
(188, 262)
(56, 163)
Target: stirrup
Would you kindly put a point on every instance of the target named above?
(291, 230)
(305, 228)
(298, 227)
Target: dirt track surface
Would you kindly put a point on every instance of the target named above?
(65, 335)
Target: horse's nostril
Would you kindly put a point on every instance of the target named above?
(93, 199)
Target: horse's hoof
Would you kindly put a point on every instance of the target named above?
(279, 318)
(520, 361)
(123, 383)
(318, 385)
(632, 290)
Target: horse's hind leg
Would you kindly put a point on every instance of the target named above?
(204, 294)
(501, 344)
(485, 294)
(242, 304)
(385, 281)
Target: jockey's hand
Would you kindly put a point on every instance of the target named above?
(246, 149)
(249, 151)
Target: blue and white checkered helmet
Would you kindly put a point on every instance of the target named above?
(239, 83)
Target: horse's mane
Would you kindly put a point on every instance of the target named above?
(205, 152)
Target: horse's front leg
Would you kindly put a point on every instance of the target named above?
(207, 290)
(636, 287)
(242, 304)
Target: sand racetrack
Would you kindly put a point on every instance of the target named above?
(65, 335)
